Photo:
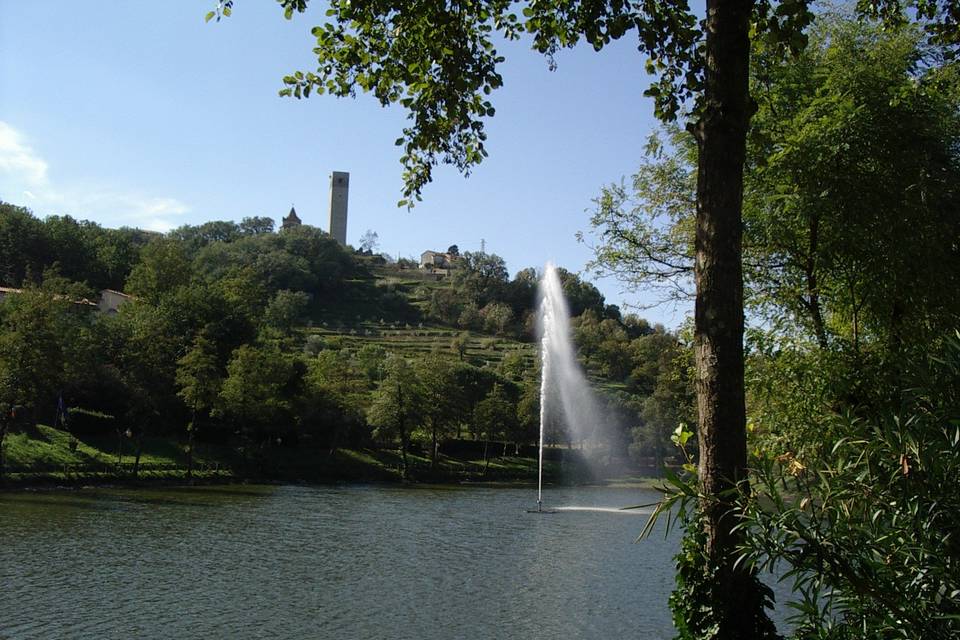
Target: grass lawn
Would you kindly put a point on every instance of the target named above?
(44, 455)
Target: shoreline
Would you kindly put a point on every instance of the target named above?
(52, 485)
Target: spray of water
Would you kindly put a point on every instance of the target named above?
(565, 396)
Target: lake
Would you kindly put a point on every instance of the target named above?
(330, 562)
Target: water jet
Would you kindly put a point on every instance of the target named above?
(564, 393)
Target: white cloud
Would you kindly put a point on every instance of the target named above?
(148, 212)
(18, 160)
(23, 171)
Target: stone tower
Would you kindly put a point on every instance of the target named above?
(339, 190)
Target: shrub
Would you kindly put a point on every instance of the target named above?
(869, 530)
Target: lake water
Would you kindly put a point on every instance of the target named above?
(330, 562)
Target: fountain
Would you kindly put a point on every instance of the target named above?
(564, 393)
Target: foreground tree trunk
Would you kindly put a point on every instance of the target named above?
(721, 138)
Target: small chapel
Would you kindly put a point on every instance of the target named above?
(291, 220)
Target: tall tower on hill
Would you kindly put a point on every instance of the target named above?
(339, 190)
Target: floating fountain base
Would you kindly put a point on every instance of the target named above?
(540, 509)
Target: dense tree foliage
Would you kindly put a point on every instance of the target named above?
(850, 227)
(83, 251)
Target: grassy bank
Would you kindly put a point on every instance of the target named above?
(44, 455)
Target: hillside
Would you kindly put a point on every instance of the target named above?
(269, 350)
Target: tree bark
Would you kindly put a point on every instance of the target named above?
(813, 287)
(721, 138)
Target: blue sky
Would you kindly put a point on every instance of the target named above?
(141, 114)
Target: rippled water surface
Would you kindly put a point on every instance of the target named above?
(330, 562)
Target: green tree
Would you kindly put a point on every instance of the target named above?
(256, 225)
(443, 400)
(480, 277)
(521, 292)
(497, 316)
(864, 529)
(514, 365)
(496, 418)
(202, 235)
(370, 358)
(460, 344)
(22, 245)
(469, 317)
(286, 310)
(163, 267)
(580, 294)
(143, 349)
(338, 389)
(662, 378)
(528, 409)
(6, 419)
(254, 394)
(36, 329)
(444, 305)
(857, 140)
(199, 380)
(602, 344)
(398, 403)
(118, 251)
(71, 245)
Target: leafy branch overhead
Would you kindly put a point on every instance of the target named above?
(438, 59)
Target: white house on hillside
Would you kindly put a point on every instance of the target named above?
(437, 261)
(111, 300)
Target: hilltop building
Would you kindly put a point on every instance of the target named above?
(438, 262)
(5, 291)
(292, 220)
(339, 192)
(109, 302)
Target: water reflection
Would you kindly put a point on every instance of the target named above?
(358, 562)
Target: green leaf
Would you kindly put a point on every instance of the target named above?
(209, 16)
